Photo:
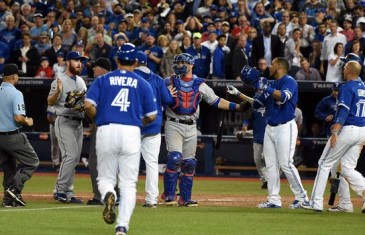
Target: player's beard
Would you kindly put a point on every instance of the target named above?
(74, 70)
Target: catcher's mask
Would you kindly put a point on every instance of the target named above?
(185, 59)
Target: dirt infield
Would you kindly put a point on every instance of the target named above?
(203, 199)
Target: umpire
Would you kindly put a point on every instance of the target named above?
(14, 145)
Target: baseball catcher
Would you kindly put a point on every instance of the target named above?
(75, 100)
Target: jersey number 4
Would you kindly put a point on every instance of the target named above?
(121, 100)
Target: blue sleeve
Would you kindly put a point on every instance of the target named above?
(289, 88)
(319, 111)
(344, 105)
(18, 104)
(149, 100)
(166, 97)
(93, 93)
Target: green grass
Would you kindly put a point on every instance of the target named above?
(204, 220)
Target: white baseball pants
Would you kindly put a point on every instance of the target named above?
(118, 150)
(150, 149)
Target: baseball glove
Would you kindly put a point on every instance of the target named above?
(75, 100)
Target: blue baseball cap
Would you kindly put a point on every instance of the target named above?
(144, 20)
(74, 55)
(142, 57)
(128, 51)
(213, 7)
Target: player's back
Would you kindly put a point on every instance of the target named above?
(122, 98)
(352, 96)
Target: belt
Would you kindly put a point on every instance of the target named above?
(277, 124)
(17, 131)
(186, 122)
(73, 118)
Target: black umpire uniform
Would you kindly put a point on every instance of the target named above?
(14, 145)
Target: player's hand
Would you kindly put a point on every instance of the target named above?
(262, 84)
(59, 85)
(329, 118)
(29, 121)
(334, 140)
(173, 91)
(233, 91)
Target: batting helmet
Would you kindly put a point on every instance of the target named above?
(350, 57)
(184, 58)
(249, 75)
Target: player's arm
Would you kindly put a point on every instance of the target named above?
(23, 120)
(55, 93)
(19, 111)
(90, 109)
(341, 115)
(235, 92)
(279, 95)
(212, 99)
(149, 105)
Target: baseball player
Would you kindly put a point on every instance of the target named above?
(326, 108)
(100, 67)
(280, 99)
(66, 95)
(181, 131)
(346, 141)
(121, 102)
(14, 145)
(151, 134)
(256, 119)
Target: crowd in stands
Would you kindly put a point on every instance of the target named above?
(222, 35)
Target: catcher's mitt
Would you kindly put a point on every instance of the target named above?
(75, 100)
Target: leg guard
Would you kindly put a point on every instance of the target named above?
(186, 181)
(171, 174)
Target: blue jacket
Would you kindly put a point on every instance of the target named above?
(202, 61)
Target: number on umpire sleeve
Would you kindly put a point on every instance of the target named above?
(121, 100)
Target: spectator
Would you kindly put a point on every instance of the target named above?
(166, 69)
(193, 24)
(80, 48)
(322, 32)
(220, 57)
(320, 15)
(282, 33)
(39, 27)
(26, 15)
(286, 21)
(230, 41)
(212, 42)
(306, 73)
(328, 45)
(43, 44)
(201, 55)
(332, 9)
(315, 55)
(263, 68)
(99, 48)
(186, 43)
(347, 29)
(60, 66)
(69, 37)
(154, 53)
(56, 47)
(266, 45)
(311, 7)
(210, 28)
(82, 35)
(10, 34)
(239, 57)
(53, 30)
(292, 52)
(307, 35)
(119, 40)
(357, 36)
(335, 70)
(260, 16)
(44, 70)
(4, 11)
(94, 22)
(27, 57)
(163, 42)
(181, 31)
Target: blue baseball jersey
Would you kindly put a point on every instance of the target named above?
(327, 106)
(157, 52)
(121, 97)
(352, 97)
(11, 103)
(258, 123)
(162, 94)
(279, 112)
(202, 58)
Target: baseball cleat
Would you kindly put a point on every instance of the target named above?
(169, 202)
(75, 200)
(296, 204)
(339, 209)
(16, 196)
(307, 205)
(189, 203)
(149, 205)
(363, 208)
(62, 197)
(109, 213)
(120, 231)
(94, 202)
(268, 205)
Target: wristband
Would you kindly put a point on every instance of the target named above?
(232, 106)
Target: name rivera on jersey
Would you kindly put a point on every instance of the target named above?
(123, 81)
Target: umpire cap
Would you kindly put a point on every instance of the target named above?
(11, 69)
(102, 63)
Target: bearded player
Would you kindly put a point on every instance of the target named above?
(181, 131)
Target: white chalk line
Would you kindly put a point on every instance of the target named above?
(17, 209)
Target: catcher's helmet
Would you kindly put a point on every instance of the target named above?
(249, 75)
(184, 58)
